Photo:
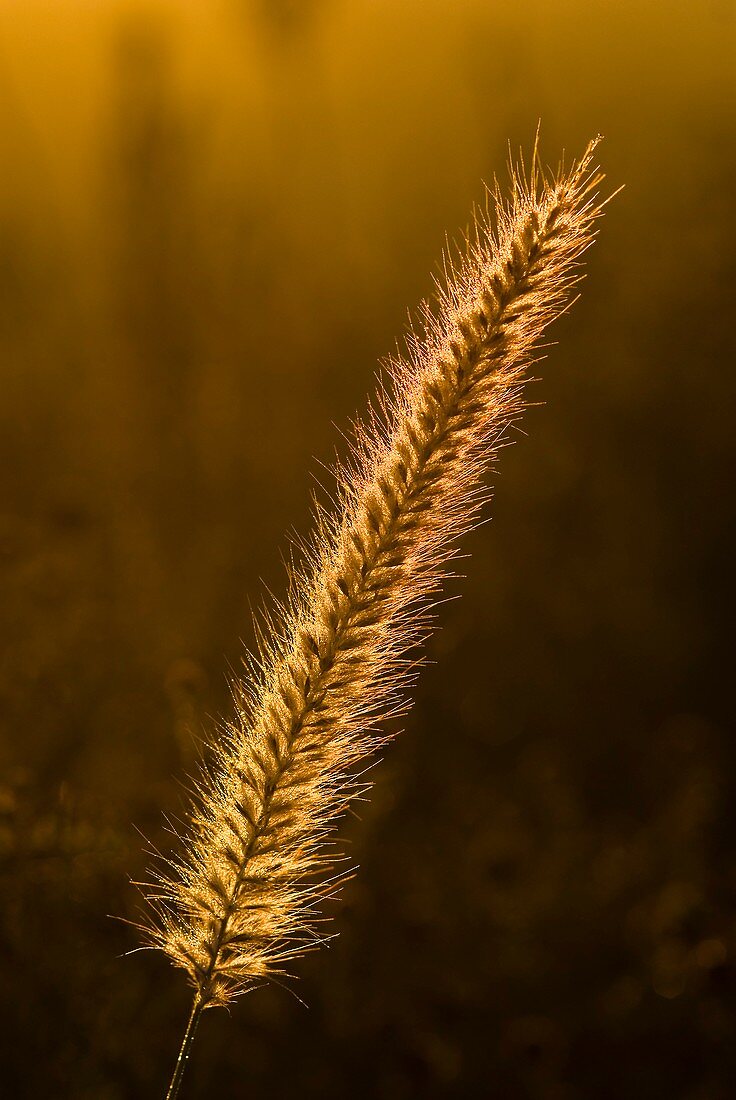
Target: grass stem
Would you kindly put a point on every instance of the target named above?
(186, 1046)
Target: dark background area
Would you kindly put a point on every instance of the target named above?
(212, 220)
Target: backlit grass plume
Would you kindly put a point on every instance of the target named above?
(336, 659)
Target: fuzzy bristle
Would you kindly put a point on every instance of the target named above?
(338, 657)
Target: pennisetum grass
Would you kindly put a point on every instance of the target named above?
(336, 658)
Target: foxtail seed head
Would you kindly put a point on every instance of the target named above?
(243, 896)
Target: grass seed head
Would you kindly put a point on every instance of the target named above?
(244, 895)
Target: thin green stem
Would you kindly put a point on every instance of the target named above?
(186, 1045)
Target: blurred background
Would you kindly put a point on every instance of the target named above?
(213, 218)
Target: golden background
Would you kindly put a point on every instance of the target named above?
(213, 217)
